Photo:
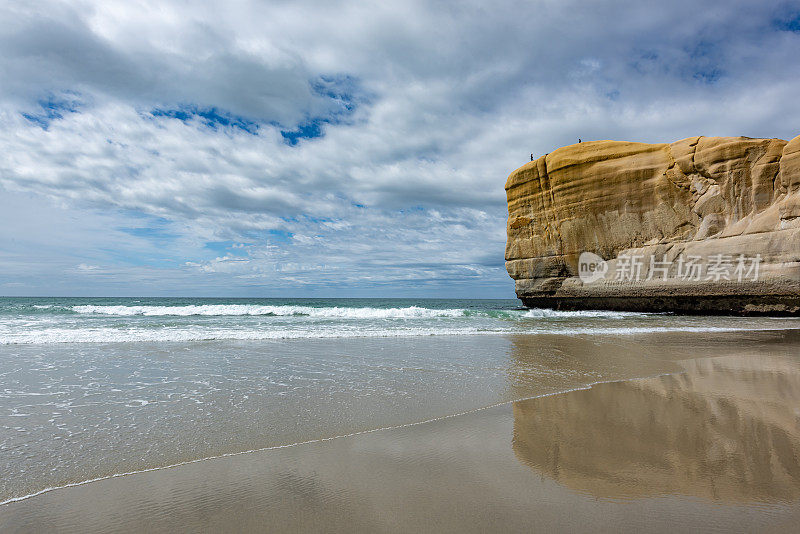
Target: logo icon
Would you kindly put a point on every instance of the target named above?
(591, 267)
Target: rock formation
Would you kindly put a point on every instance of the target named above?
(701, 225)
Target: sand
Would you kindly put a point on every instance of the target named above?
(714, 445)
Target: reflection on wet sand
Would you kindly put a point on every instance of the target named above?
(725, 429)
(553, 363)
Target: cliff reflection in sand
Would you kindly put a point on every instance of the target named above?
(725, 429)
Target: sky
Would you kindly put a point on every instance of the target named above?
(335, 149)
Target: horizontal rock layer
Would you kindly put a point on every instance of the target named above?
(705, 225)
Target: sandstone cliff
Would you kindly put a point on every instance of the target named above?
(705, 224)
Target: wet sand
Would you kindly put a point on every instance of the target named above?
(712, 445)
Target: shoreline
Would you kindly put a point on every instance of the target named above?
(301, 443)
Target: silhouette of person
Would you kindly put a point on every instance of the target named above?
(579, 140)
(531, 157)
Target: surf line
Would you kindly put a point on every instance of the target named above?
(330, 438)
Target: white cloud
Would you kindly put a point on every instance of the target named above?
(402, 193)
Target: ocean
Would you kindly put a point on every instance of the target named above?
(97, 387)
(45, 321)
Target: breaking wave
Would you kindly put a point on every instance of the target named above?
(221, 310)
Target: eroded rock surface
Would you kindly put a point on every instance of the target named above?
(705, 224)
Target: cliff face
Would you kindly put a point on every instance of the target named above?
(705, 224)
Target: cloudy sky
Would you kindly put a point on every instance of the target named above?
(317, 148)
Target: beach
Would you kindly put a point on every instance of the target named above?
(392, 267)
(654, 431)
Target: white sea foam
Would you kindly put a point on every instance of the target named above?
(112, 335)
(543, 313)
(129, 335)
(411, 312)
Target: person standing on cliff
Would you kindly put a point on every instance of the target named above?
(531, 157)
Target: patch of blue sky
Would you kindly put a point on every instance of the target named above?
(210, 117)
(280, 236)
(342, 92)
(788, 22)
(53, 107)
(233, 248)
(307, 130)
(346, 95)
